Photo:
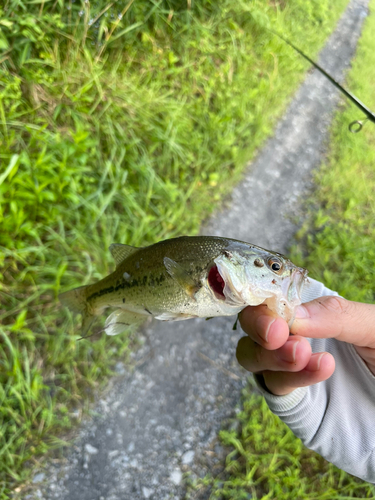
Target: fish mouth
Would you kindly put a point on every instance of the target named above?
(285, 303)
(291, 287)
(216, 282)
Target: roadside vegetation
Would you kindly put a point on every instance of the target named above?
(119, 122)
(336, 245)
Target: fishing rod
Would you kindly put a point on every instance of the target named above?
(354, 126)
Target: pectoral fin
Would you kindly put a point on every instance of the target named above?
(182, 277)
(121, 320)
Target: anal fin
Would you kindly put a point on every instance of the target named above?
(121, 320)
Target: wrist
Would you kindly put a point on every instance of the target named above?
(280, 403)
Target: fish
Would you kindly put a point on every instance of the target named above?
(188, 277)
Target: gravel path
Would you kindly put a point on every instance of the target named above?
(162, 419)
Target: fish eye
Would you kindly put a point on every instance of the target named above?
(275, 264)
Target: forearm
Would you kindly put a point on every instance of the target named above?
(335, 418)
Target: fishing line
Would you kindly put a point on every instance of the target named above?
(354, 126)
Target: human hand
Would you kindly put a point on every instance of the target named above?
(287, 362)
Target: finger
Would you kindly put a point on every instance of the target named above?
(293, 356)
(335, 317)
(320, 367)
(264, 327)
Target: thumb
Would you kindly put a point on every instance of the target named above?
(335, 317)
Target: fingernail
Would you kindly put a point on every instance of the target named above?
(290, 357)
(262, 327)
(317, 359)
(302, 312)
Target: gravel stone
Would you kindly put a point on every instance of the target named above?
(38, 478)
(91, 450)
(147, 492)
(176, 477)
(188, 457)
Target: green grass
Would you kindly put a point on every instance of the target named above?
(114, 129)
(336, 245)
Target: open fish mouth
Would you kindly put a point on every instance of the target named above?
(216, 282)
(230, 284)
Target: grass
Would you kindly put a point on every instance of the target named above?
(116, 120)
(336, 245)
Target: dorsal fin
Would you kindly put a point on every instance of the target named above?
(121, 252)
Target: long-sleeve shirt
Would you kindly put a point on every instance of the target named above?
(335, 418)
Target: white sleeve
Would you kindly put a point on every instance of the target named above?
(336, 417)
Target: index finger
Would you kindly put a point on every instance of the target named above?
(264, 327)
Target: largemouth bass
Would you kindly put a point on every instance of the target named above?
(188, 277)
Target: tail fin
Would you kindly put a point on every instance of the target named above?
(75, 300)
